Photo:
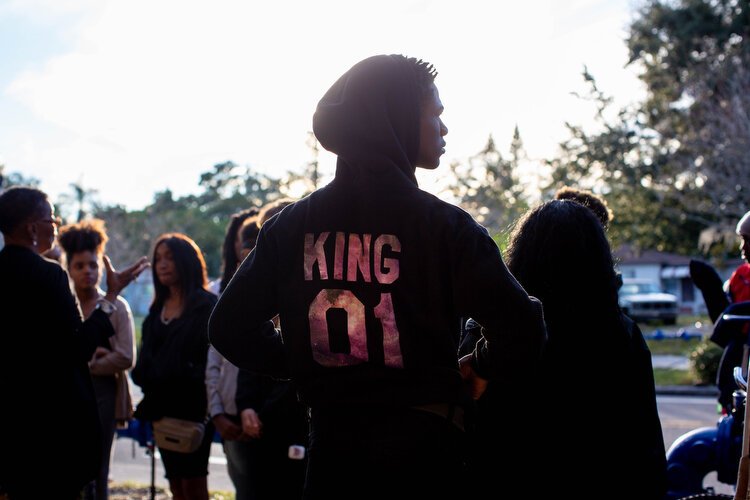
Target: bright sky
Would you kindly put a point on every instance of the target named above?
(130, 97)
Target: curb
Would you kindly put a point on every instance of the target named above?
(688, 390)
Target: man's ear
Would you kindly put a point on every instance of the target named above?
(32, 233)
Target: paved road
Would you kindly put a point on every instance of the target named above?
(131, 463)
(670, 361)
(679, 414)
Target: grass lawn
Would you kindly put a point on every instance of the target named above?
(135, 491)
(676, 347)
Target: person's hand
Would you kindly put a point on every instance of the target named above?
(251, 424)
(118, 280)
(100, 352)
(475, 385)
(227, 429)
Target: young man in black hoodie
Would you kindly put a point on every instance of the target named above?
(370, 276)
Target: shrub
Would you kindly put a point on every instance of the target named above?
(704, 361)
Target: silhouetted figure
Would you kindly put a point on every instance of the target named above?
(369, 276)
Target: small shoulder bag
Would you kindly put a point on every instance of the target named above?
(176, 434)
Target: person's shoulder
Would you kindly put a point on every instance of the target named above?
(740, 272)
(278, 224)
(122, 304)
(122, 317)
(22, 264)
(446, 210)
(33, 258)
(50, 266)
(203, 296)
(291, 213)
(630, 326)
(633, 332)
(452, 224)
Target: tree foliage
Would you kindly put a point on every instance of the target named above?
(80, 201)
(299, 184)
(615, 162)
(226, 189)
(695, 60)
(673, 167)
(8, 179)
(489, 186)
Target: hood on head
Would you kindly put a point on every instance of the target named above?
(370, 118)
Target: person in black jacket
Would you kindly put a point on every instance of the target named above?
(276, 424)
(587, 426)
(221, 375)
(50, 435)
(370, 276)
(273, 419)
(171, 361)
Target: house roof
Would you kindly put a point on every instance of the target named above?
(628, 255)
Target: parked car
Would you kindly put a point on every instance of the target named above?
(643, 300)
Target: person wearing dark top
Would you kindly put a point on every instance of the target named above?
(231, 249)
(369, 276)
(171, 362)
(587, 426)
(84, 244)
(50, 434)
(277, 425)
(273, 419)
(221, 375)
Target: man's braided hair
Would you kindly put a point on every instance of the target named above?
(425, 73)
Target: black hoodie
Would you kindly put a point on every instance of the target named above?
(370, 275)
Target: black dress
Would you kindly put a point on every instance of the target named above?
(170, 370)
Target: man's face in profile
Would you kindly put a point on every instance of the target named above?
(431, 131)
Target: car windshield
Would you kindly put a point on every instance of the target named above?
(636, 288)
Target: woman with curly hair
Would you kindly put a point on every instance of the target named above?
(83, 245)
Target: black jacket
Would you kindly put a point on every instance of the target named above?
(587, 422)
(49, 424)
(370, 274)
(171, 366)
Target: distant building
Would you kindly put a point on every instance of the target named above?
(670, 270)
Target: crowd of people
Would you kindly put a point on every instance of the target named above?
(364, 340)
